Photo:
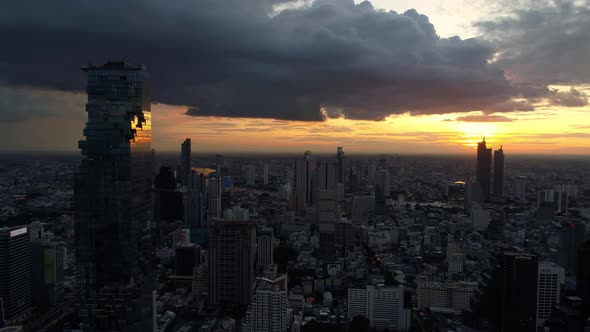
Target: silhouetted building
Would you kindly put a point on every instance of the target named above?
(513, 292)
(571, 237)
(47, 260)
(264, 247)
(168, 201)
(185, 161)
(341, 165)
(15, 272)
(214, 197)
(113, 189)
(232, 254)
(484, 167)
(186, 258)
(195, 200)
(304, 169)
(583, 275)
(499, 172)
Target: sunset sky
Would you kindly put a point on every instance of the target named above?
(287, 76)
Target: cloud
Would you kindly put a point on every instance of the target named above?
(542, 41)
(483, 118)
(19, 104)
(572, 98)
(240, 58)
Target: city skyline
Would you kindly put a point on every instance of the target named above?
(462, 72)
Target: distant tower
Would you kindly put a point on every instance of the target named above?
(265, 174)
(232, 252)
(499, 172)
(15, 271)
(214, 199)
(185, 161)
(484, 167)
(383, 182)
(341, 165)
(571, 238)
(304, 169)
(47, 285)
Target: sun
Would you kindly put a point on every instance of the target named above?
(473, 132)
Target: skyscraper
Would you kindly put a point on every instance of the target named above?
(383, 306)
(15, 272)
(304, 169)
(383, 182)
(194, 203)
(341, 165)
(185, 161)
(583, 275)
(513, 292)
(214, 198)
(499, 172)
(232, 254)
(571, 237)
(265, 174)
(113, 188)
(484, 167)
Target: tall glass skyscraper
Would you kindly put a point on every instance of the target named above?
(484, 167)
(113, 188)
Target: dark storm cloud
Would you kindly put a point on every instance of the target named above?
(238, 58)
(543, 41)
(18, 104)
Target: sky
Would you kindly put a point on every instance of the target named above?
(385, 76)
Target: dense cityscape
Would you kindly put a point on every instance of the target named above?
(121, 237)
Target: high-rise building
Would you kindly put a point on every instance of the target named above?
(520, 188)
(304, 169)
(513, 292)
(484, 167)
(214, 198)
(47, 267)
(264, 247)
(195, 198)
(341, 165)
(15, 272)
(185, 161)
(551, 276)
(499, 172)
(571, 237)
(383, 306)
(383, 182)
(231, 254)
(113, 189)
(480, 218)
(265, 174)
(268, 310)
(327, 171)
(583, 275)
(250, 174)
(554, 198)
(371, 172)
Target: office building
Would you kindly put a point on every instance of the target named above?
(385, 307)
(583, 275)
(383, 182)
(450, 294)
(304, 170)
(47, 267)
(214, 198)
(484, 167)
(185, 161)
(363, 207)
(264, 247)
(341, 165)
(512, 292)
(15, 272)
(265, 174)
(186, 257)
(232, 255)
(520, 188)
(195, 198)
(327, 173)
(499, 172)
(113, 189)
(558, 200)
(571, 237)
(250, 174)
(371, 172)
(480, 218)
(268, 310)
(551, 277)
